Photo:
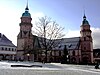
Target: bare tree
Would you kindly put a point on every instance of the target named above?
(48, 32)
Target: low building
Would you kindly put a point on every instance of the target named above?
(96, 54)
(7, 48)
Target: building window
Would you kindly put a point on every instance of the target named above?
(73, 53)
(5, 48)
(84, 48)
(12, 49)
(28, 46)
(52, 53)
(84, 38)
(59, 53)
(2, 48)
(9, 49)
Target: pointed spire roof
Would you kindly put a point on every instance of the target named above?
(85, 22)
(84, 17)
(27, 6)
(26, 13)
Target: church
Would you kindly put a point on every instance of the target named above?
(80, 49)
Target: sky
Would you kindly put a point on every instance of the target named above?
(67, 13)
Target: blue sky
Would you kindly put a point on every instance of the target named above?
(67, 13)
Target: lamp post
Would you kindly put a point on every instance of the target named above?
(28, 55)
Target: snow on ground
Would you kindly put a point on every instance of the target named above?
(46, 69)
(46, 66)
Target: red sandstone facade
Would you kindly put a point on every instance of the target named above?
(86, 42)
(25, 38)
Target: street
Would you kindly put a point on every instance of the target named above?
(48, 69)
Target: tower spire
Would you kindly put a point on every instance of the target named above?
(27, 6)
(84, 17)
(85, 22)
(26, 13)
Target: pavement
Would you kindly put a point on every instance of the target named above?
(46, 69)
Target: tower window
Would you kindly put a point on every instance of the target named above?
(84, 48)
(84, 38)
(21, 34)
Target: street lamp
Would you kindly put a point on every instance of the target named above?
(28, 56)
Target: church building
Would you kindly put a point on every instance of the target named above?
(80, 49)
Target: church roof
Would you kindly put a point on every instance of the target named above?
(4, 41)
(71, 43)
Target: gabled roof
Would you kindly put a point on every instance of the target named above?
(4, 41)
(71, 43)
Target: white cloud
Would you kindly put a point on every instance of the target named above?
(96, 37)
(72, 33)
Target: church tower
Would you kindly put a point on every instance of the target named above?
(24, 38)
(86, 42)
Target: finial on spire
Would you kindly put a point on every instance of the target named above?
(27, 6)
(84, 17)
(85, 22)
(26, 13)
